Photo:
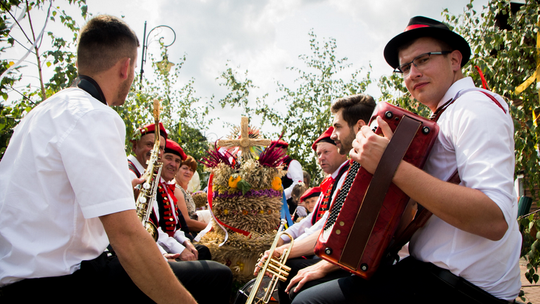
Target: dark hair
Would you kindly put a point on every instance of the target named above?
(190, 162)
(355, 108)
(102, 42)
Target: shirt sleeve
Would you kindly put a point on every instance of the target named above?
(297, 229)
(483, 139)
(101, 182)
(170, 244)
(315, 228)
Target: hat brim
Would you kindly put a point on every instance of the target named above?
(391, 50)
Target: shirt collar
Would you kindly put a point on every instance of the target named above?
(337, 171)
(464, 83)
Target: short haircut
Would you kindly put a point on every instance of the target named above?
(355, 107)
(102, 42)
(190, 162)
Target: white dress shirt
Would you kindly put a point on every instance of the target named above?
(65, 167)
(304, 228)
(476, 137)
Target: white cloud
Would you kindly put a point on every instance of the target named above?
(265, 37)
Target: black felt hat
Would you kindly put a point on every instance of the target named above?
(425, 27)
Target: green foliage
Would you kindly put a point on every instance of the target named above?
(182, 113)
(303, 113)
(62, 57)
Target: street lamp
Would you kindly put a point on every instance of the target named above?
(145, 46)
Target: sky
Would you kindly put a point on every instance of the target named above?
(264, 37)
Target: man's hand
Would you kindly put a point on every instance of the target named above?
(171, 257)
(313, 272)
(277, 253)
(187, 255)
(369, 147)
(189, 246)
(134, 183)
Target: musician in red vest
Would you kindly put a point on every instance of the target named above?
(174, 235)
(190, 263)
(468, 251)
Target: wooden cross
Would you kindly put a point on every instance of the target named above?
(244, 142)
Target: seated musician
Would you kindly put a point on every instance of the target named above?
(333, 161)
(468, 251)
(142, 146)
(189, 262)
(170, 219)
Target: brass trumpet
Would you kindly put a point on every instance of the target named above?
(275, 267)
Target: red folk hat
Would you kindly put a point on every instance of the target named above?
(173, 147)
(151, 128)
(325, 137)
(425, 27)
(280, 143)
(311, 192)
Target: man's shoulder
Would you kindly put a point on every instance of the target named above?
(73, 102)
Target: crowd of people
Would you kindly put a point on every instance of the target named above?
(70, 232)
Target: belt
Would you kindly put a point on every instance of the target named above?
(465, 287)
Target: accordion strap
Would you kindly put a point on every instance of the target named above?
(382, 178)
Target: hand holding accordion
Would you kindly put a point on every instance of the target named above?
(368, 207)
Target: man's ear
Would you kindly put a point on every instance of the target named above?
(359, 124)
(456, 57)
(124, 67)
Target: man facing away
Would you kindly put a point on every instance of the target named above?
(65, 192)
(468, 251)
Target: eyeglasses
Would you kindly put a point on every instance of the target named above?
(418, 62)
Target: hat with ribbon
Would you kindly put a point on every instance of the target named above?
(173, 147)
(425, 27)
(311, 192)
(325, 137)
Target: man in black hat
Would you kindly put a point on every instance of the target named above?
(468, 251)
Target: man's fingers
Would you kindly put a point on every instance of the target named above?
(385, 128)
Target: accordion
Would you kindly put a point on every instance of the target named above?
(368, 207)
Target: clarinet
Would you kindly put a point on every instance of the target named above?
(148, 190)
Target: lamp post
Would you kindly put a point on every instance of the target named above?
(145, 46)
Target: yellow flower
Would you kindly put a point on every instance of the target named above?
(233, 182)
(276, 183)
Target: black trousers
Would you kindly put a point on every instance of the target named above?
(409, 281)
(296, 265)
(104, 280)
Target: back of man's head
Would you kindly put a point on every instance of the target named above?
(102, 42)
(355, 108)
